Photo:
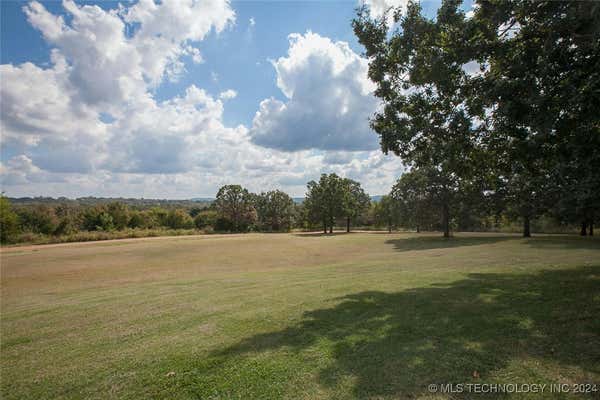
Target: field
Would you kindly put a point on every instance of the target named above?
(299, 316)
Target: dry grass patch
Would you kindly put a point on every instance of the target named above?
(364, 315)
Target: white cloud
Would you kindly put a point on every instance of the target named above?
(329, 99)
(474, 68)
(107, 65)
(471, 13)
(195, 54)
(89, 123)
(379, 7)
(228, 94)
(251, 21)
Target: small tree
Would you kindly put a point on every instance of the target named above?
(120, 214)
(97, 218)
(205, 219)
(387, 212)
(179, 219)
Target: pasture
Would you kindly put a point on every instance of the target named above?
(298, 316)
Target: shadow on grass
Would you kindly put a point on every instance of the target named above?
(319, 234)
(438, 242)
(567, 242)
(572, 242)
(395, 344)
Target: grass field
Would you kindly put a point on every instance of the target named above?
(299, 316)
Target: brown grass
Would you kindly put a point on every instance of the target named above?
(112, 319)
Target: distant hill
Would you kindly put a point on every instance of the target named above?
(90, 201)
(297, 200)
(130, 201)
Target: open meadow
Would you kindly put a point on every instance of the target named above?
(299, 316)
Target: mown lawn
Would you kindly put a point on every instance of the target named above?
(299, 316)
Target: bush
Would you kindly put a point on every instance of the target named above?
(206, 218)
(223, 225)
(39, 219)
(105, 222)
(158, 217)
(179, 219)
(66, 226)
(119, 213)
(97, 219)
(9, 222)
(136, 220)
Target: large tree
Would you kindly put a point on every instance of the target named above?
(324, 200)
(275, 211)
(355, 200)
(426, 116)
(235, 206)
(542, 96)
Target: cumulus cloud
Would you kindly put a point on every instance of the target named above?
(328, 99)
(98, 69)
(89, 123)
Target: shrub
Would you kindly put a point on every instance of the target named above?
(179, 219)
(223, 225)
(38, 219)
(206, 218)
(9, 221)
(119, 213)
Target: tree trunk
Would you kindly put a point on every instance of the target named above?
(526, 227)
(446, 220)
(592, 226)
(583, 231)
(331, 228)
(418, 229)
(390, 228)
(324, 227)
(348, 224)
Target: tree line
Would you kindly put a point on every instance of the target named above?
(495, 112)
(330, 202)
(235, 209)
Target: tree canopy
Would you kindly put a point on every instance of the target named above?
(498, 106)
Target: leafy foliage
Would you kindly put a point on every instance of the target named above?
(235, 207)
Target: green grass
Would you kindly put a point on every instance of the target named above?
(299, 316)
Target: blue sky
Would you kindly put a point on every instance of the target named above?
(109, 108)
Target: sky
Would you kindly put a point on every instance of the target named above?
(173, 99)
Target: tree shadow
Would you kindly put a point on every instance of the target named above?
(570, 242)
(395, 344)
(438, 242)
(319, 234)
